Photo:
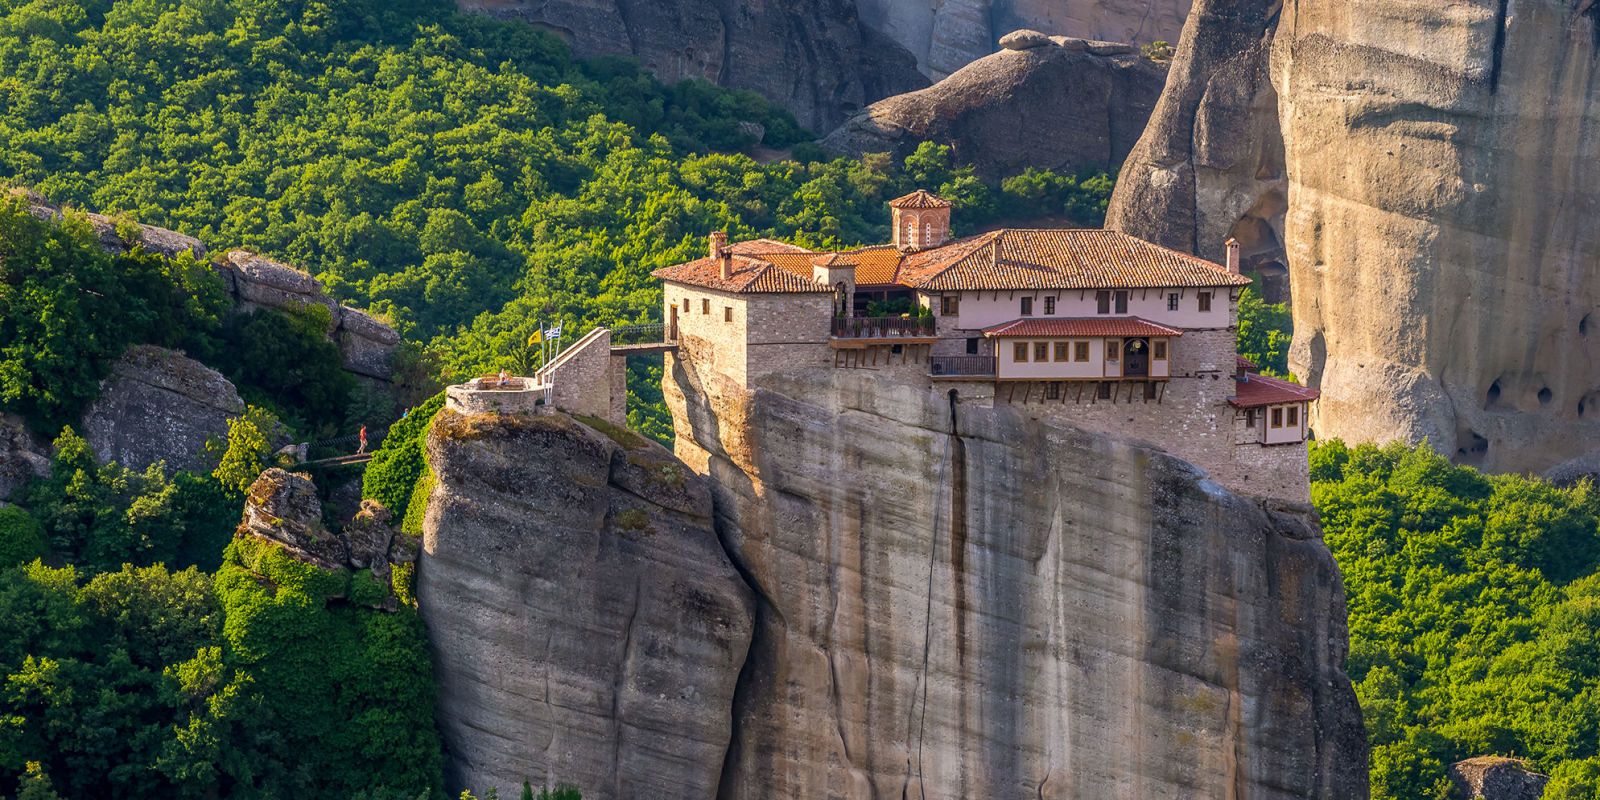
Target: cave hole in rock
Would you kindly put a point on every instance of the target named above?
(1472, 449)
(1583, 326)
(1492, 398)
(1545, 396)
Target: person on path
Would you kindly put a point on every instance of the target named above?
(363, 435)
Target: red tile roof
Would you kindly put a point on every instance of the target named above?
(920, 198)
(750, 275)
(1080, 326)
(1059, 259)
(1243, 364)
(1256, 391)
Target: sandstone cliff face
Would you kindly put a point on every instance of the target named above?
(1210, 163)
(946, 35)
(160, 405)
(1017, 611)
(814, 58)
(1443, 167)
(586, 626)
(1062, 104)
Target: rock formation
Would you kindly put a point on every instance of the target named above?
(121, 236)
(1210, 163)
(1062, 104)
(23, 456)
(946, 35)
(1494, 778)
(586, 626)
(283, 508)
(160, 405)
(814, 58)
(1020, 610)
(1443, 169)
(255, 281)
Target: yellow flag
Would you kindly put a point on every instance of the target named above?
(537, 337)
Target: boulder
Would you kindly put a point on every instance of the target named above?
(1046, 106)
(586, 626)
(1025, 40)
(23, 457)
(160, 405)
(367, 536)
(1495, 778)
(282, 507)
(946, 35)
(814, 58)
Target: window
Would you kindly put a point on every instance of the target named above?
(1052, 391)
(1294, 417)
(1122, 302)
(972, 346)
(1080, 351)
(1049, 305)
(1158, 349)
(1102, 301)
(1277, 417)
(1019, 352)
(1104, 391)
(727, 313)
(1172, 301)
(1250, 418)
(1041, 352)
(1061, 351)
(927, 233)
(1205, 301)
(1113, 350)
(705, 306)
(685, 305)
(1027, 306)
(950, 305)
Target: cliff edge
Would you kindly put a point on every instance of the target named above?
(965, 602)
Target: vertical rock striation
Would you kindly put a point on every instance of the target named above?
(1210, 163)
(1019, 610)
(814, 58)
(946, 35)
(1443, 164)
(585, 625)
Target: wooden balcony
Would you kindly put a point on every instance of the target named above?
(962, 367)
(857, 332)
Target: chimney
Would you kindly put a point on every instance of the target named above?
(720, 252)
(1233, 255)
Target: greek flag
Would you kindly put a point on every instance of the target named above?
(553, 333)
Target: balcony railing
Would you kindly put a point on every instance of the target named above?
(640, 334)
(881, 327)
(962, 366)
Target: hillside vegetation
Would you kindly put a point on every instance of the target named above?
(1474, 615)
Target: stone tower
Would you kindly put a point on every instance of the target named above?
(921, 220)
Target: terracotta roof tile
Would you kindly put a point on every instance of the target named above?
(758, 247)
(1079, 326)
(920, 198)
(876, 266)
(750, 275)
(1259, 390)
(1059, 259)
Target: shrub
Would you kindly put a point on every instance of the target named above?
(397, 466)
(21, 537)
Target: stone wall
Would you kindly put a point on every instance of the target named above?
(580, 378)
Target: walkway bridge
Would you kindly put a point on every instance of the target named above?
(642, 340)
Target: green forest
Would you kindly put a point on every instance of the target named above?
(468, 180)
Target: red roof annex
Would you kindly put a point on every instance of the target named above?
(1080, 326)
(1256, 391)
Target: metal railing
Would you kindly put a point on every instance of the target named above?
(640, 334)
(962, 366)
(881, 327)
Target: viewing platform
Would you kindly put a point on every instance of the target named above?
(492, 394)
(857, 332)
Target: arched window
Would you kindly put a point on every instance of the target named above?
(927, 233)
(910, 227)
